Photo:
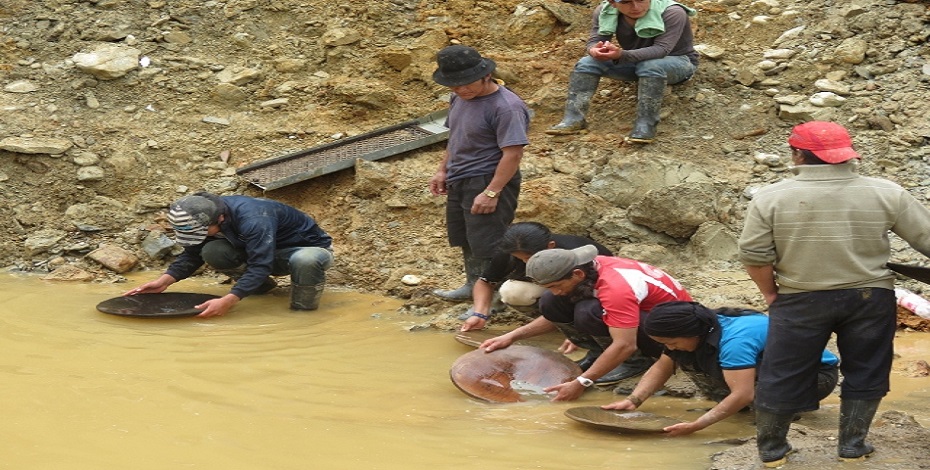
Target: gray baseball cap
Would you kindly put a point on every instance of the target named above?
(554, 264)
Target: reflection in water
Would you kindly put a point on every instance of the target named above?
(345, 387)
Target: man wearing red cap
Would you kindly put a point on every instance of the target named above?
(816, 247)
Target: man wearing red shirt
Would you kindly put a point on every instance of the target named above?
(597, 302)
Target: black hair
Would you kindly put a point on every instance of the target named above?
(585, 288)
(525, 237)
(808, 157)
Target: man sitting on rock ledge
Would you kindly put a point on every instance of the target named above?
(251, 239)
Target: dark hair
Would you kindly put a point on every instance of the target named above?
(585, 288)
(680, 319)
(808, 157)
(526, 237)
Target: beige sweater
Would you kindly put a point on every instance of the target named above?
(828, 229)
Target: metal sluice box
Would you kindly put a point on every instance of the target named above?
(328, 158)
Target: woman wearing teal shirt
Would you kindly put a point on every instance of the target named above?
(719, 350)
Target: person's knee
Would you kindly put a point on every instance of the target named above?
(220, 254)
(318, 259)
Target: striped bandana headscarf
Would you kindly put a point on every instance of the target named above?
(191, 217)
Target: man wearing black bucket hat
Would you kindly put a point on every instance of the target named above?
(250, 239)
(480, 169)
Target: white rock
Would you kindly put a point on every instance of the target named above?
(827, 99)
(411, 280)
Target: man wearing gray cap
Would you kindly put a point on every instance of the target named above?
(598, 301)
(480, 170)
(250, 239)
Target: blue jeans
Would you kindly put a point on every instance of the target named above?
(306, 265)
(674, 69)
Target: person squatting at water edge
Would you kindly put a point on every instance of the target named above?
(598, 303)
(480, 169)
(656, 49)
(816, 247)
(506, 273)
(719, 351)
(249, 239)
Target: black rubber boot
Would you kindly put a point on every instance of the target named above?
(474, 268)
(855, 420)
(772, 438)
(581, 88)
(636, 364)
(306, 297)
(648, 105)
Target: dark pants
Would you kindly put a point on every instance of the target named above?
(306, 265)
(479, 233)
(800, 326)
(717, 389)
(587, 316)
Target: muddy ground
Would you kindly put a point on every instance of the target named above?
(89, 157)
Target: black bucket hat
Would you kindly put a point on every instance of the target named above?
(461, 65)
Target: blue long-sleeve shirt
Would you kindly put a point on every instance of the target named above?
(258, 226)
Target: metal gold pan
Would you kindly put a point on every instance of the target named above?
(509, 375)
(164, 305)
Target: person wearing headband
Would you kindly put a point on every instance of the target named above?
(719, 350)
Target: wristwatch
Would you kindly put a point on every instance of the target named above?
(586, 382)
(489, 193)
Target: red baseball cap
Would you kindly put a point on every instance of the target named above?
(828, 140)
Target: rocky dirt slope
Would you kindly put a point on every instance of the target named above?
(90, 154)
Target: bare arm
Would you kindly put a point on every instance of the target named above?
(653, 380)
(764, 277)
(623, 345)
(534, 328)
(742, 385)
(506, 169)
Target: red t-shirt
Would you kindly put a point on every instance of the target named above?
(627, 287)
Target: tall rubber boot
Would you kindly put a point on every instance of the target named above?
(648, 105)
(581, 340)
(474, 268)
(772, 437)
(306, 297)
(855, 420)
(581, 88)
(636, 364)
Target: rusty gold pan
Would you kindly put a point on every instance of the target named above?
(511, 374)
(623, 421)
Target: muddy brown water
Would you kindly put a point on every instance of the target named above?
(345, 387)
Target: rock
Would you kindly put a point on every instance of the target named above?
(108, 61)
(36, 145)
(851, 51)
(20, 86)
(832, 86)
(710, 51)
(341, 37)
(239, 76)
(43, 240)
(157, 245)
(680, 209)
(114, 258)
(529, 23)
(69, 272)
(827, 99)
